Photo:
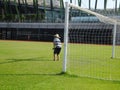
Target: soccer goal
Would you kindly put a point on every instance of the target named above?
(91, 44)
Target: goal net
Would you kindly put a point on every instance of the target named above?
(91, 44)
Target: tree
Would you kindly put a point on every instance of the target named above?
(115, 6)
(119, 8)
(96, 4)
(105, 4)
(89, 4)
(79, 2)
(17, 10)
(70, 1)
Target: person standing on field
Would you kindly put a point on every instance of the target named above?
(57, 45)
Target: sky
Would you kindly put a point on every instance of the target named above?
(110, 3)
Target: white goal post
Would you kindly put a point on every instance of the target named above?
(102, 19)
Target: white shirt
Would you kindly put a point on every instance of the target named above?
(57, 43)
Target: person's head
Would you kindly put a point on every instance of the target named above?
(56, 36)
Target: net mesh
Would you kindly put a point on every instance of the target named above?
(90, 45)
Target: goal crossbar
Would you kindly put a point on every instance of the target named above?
(104, 18)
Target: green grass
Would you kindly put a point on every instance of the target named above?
(30, 66)
(94, 61)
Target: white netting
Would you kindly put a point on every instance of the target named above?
(90, 44)
(102, 18)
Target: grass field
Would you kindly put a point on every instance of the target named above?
(94, 61)
(30, 66)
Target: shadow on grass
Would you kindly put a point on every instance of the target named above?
(29, 74)
(29, 59)
(39, 74)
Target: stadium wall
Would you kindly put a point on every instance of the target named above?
(45, 31)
